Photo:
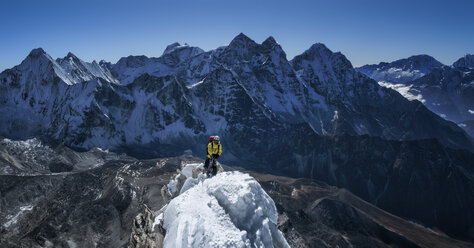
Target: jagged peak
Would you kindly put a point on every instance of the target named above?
(319, 52)
(316, 50)
(241, 40)
(242, 36)
(270, 41)
(270, 45)
(37, 54)
(104, 62)
(70, 55)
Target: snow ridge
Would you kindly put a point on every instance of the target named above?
(230, 209)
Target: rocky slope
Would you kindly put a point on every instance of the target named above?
(93, 207)
(313, 214)
(419, 180)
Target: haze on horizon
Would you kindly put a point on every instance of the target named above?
(367, 32)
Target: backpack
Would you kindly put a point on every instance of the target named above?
(211, 138)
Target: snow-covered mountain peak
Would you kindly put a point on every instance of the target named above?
(402, 70)
(170, 47)
(78, 71)
(319, 57)
(178, 54)
(177, 46)
(270, 46)
(37, 67)
(317, 51)
(69, 58)
(465, 62)
(422, 62)
(318, 48)
(37, 56)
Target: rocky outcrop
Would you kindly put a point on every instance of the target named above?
(145, 234)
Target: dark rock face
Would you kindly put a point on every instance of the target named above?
(468, 126)
(413, 179)
(313, 214)
(448, 92)
(465, 62)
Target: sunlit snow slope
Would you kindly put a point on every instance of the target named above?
(228, 210)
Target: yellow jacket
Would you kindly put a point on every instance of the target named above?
(213, 149)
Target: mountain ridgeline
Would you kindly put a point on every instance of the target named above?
(243, 90)
(445, 90)
(314, 116)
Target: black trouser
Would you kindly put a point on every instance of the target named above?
(206, 165)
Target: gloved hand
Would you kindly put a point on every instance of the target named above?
(216, 156)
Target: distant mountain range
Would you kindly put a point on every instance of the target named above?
(403, 70)
(445, 90)
(238, 90)
(314, 116)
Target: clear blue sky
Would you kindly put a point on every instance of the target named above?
(365, 31)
